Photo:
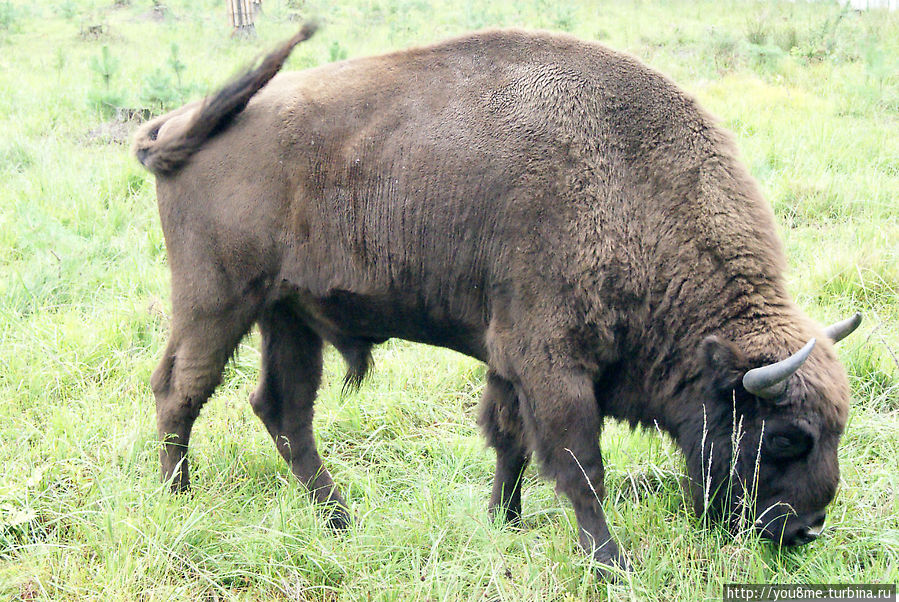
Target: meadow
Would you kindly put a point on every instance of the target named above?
(811, 93)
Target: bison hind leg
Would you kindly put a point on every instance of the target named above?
(190, 370)
(502, 426)
(284, 398)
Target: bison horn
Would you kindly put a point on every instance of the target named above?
(839, 331)
(770, 381)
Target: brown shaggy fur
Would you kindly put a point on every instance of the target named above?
(549, 206)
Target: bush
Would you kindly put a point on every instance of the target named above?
(757, 31)
(8, 16)
(787, 38)
(67, 10)
(107, 101)
(15, 157)
(336, 52)
(158, 91)
(725, 50)
(821, 42)
(765, 57)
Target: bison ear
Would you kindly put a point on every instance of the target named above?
(724, 362)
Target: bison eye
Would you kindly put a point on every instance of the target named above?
(788, 445)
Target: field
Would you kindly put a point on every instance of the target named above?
(812, 95)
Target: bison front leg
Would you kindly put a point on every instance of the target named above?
(283, 400)
(501, 422)
(561, 416)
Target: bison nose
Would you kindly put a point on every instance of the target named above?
(805, 532)
(816, 527)
(793, 530)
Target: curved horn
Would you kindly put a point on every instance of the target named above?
(770, 381)
(840, 330)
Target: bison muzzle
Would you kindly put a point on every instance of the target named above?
(548, 206)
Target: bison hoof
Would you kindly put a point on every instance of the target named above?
(339, 519)
(613, 566)
(178, 482)
(507, 517)
(180, 489)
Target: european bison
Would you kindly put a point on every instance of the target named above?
(546, 205)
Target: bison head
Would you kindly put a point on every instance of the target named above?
(765, 450)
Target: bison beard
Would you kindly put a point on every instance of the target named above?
(548, 206)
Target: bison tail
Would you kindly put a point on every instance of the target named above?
(214, 115)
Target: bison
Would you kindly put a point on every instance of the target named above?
(546, 205)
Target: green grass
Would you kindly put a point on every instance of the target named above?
(812, 96)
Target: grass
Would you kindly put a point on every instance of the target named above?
(812, 96)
